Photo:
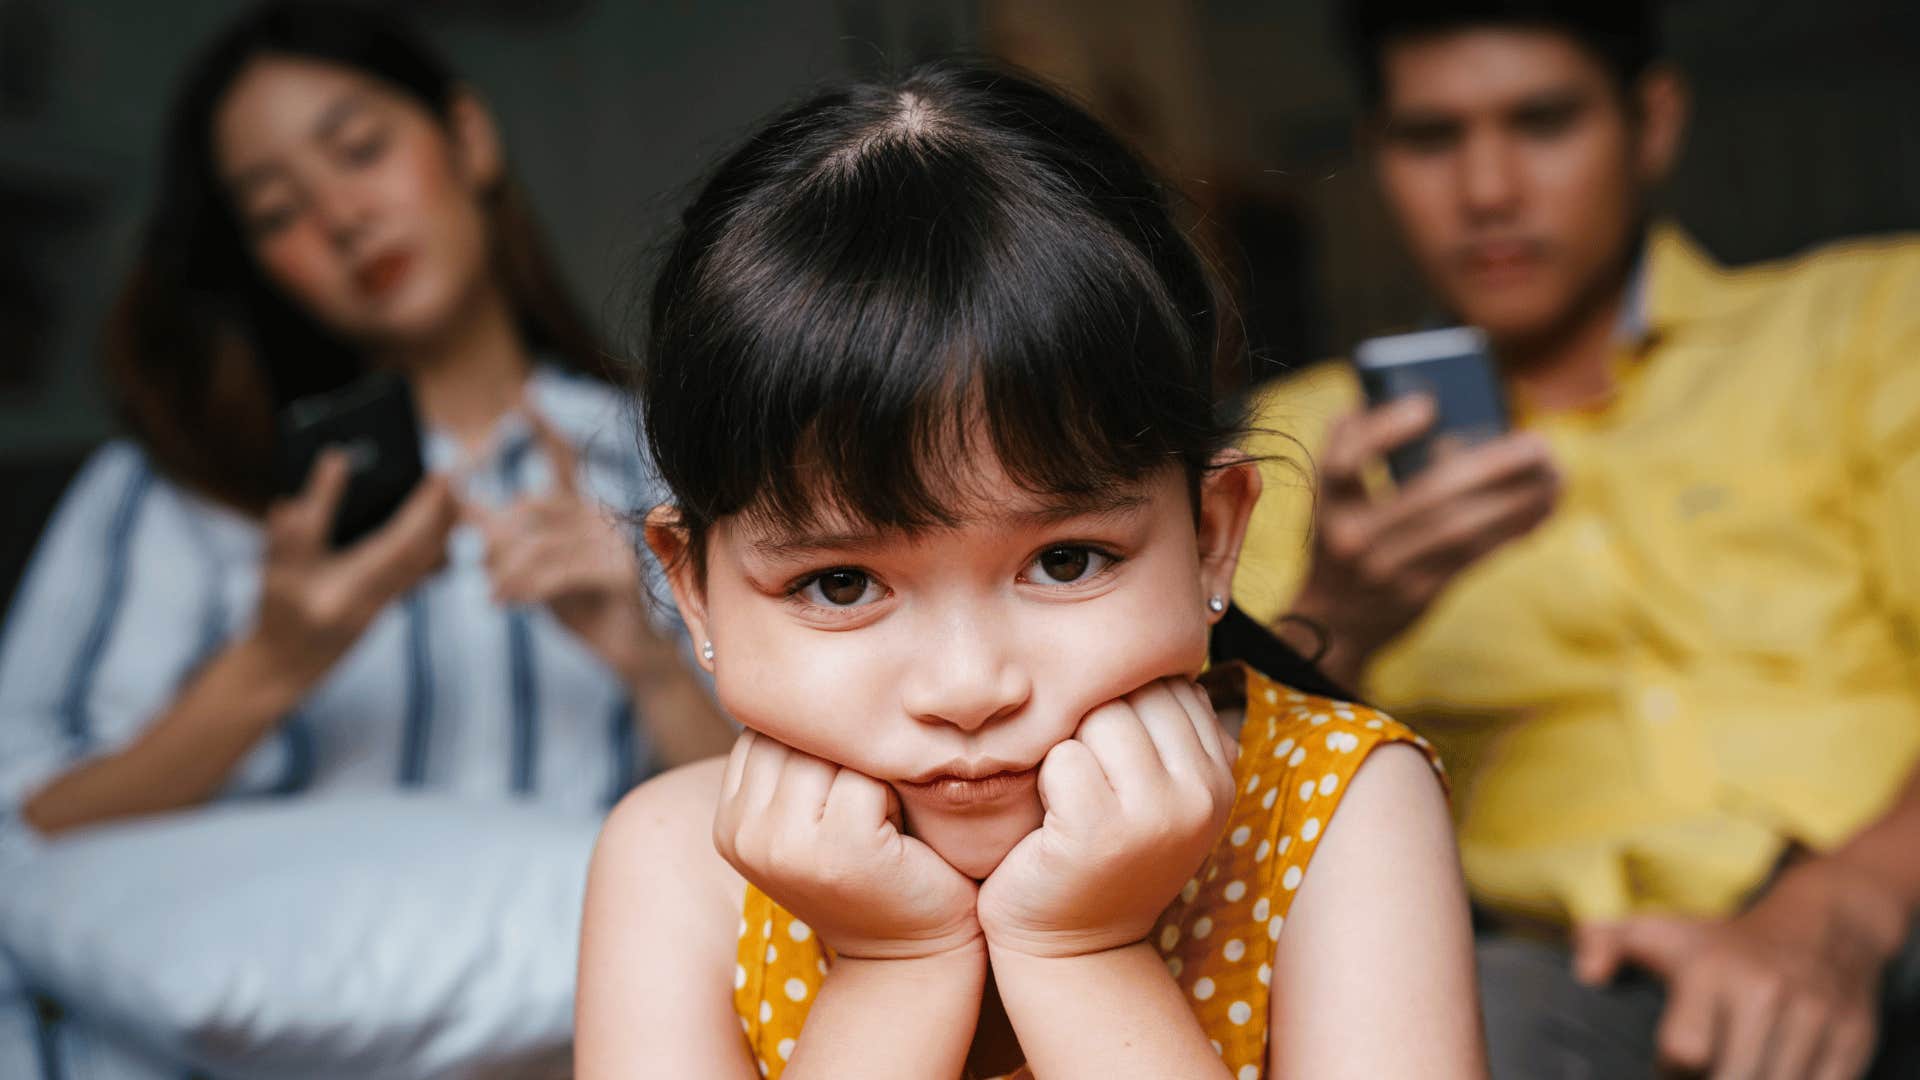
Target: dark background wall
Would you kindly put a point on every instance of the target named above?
(1804, 131)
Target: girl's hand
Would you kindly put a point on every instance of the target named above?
(567, 552)
(314, 601)
(1133, 802)
(824, 842)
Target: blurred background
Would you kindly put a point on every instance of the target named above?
(1803, 132)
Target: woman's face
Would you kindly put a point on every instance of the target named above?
(935, 660)
(359, 204)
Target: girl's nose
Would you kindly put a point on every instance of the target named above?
(970, 676)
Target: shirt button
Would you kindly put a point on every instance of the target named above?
(1591, 535)
(1658, 704)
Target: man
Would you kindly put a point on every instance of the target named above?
(1667, 634)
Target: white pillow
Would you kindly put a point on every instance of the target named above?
(376, 936)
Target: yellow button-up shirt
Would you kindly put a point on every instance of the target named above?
(1712, 649)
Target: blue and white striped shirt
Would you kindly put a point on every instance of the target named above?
(136, 582)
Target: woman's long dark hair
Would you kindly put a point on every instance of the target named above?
(893, 275)
(200, 348)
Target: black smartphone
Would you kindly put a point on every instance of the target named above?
(1453, 366)
(373, 420)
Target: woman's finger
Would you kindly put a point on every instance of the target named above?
(411, 543)
(309, 517)
(531, 570)
(562, 461)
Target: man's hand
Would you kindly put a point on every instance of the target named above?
(1788, 988)
(1378, 564)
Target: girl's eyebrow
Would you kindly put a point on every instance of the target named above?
(1053, 510)
(335, 116)
(331, 119)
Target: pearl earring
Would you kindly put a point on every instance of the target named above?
(706, 652)
(1216, 604)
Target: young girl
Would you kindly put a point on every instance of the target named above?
(953, 511)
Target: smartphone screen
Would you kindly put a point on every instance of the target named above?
(1454, 367)
(373, 420)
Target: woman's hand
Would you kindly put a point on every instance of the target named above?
(1133, 803)
(825, 843)
(563, 550)
(315, 602)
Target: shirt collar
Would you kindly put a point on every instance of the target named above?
(1680, 282)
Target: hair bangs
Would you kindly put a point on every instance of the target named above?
(885, 286)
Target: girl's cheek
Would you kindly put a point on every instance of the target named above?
(1158, 630)
(301, 263)
(810, 691)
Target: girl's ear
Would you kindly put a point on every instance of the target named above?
(669, 541)
(476, 139)
(1227, 495)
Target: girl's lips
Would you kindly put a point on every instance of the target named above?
(959, 793)
(381, 275)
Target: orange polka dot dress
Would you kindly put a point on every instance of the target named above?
(1297, 755)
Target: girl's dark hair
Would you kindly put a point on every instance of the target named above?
(200, 349)
(894, 274)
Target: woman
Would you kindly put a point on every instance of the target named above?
(335, 202)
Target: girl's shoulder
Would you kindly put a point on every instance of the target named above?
(1299, 756)
(663, 831)
(1288, 731)
(1300, 759)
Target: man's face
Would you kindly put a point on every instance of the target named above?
(1509, 159)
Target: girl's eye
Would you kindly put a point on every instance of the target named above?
(269, 220)
(1067, 564)
(367, 150)
(839, 588)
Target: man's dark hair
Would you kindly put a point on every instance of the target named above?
(1622, 34)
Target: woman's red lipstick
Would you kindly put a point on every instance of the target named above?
(382, 274)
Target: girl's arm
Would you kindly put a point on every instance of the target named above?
(1133, 801)
(1110, 1014)
(658, 952)
(658, 941)
(892, 1018)
(1374, 972)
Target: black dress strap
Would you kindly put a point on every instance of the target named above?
(1238, 637)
